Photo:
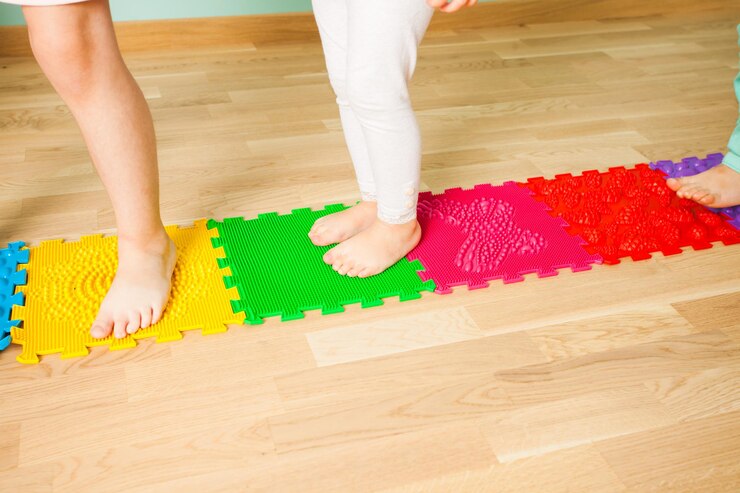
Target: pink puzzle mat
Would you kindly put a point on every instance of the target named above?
(492, 232)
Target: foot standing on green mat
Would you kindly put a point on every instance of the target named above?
(718, 186)
(75, 45)
(370, 50)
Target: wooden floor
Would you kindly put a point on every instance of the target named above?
(625, 378)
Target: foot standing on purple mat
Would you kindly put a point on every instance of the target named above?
(75, 45)
(719, 186)
(370, 50)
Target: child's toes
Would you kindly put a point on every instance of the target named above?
(317, 230)
(708, 199)
(686, 192)
(329, 257)
(146, 317)
(347, 268)
(134, 322)
(673, 183)
(157, 312)
(119, 327)
(317, 224)
(339, 268)
(335, 255)
(698, 194)
(102, 327)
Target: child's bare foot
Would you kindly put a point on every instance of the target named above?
(375, 249)
(716, 187)
(140, 289)
(341, 226)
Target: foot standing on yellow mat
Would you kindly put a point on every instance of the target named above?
(718, 186)
(370, 50)
(75, 45)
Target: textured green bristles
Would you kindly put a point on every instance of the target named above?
(279, 272)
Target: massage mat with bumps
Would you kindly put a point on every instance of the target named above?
(10, 278)
(279, 272)
(68, 280)
(485, 233)
(267, 266)
(630, 213)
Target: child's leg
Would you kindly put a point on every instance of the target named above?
(331, 17)
(76, 47)
(719, 186)
(383, 39)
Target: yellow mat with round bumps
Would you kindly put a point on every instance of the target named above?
(68, 280)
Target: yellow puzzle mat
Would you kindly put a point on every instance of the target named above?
(68, 280)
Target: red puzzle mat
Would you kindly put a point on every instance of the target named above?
(630, 213)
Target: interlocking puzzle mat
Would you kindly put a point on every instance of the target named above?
(691, 166)
(279, 272)
(241, 270)
(67, 282)
(473, 236)
(10, 277)
(630, 213)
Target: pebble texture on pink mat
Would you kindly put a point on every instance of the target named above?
(474, 236)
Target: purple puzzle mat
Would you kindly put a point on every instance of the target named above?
(492, 233)
(693, 166)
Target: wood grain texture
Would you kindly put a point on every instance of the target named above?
(694, 456)
(572, 470)
(720, 312)
(621, 379)
(356, 342)
(620, 329)
(541, 428)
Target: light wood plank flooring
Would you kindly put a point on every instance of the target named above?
(625, 378)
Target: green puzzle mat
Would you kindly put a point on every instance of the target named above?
(279, 272)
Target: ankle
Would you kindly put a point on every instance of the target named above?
(408, 227)
(725, 170)
(155, 240)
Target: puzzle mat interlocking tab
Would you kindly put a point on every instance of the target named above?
(630, 213)
(691, 166)
(279, 272)
(68, 280)
(485, 233)
(10, 278)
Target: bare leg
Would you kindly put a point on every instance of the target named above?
(76, 47)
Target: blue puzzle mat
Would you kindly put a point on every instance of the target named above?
(10, 278)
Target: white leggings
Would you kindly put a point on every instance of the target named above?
(370, 49)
